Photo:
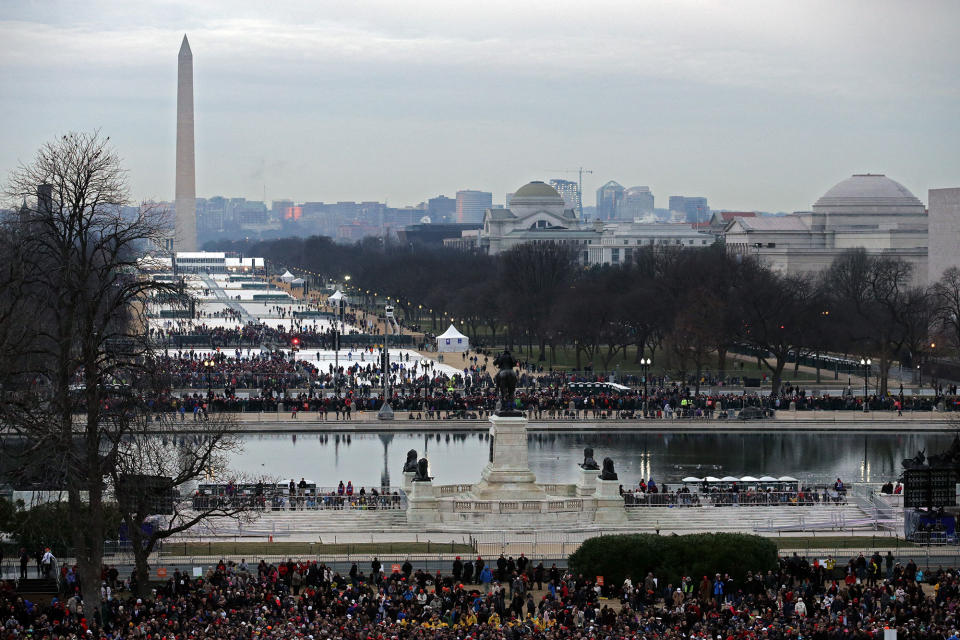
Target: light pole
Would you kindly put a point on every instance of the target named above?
(208, 365)
(866, 377)
(386, 412)
(645, 365)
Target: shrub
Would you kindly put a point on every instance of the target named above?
(670, 557)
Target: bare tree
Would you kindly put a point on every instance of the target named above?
(157, 466)
(81, 282)
(947, 296)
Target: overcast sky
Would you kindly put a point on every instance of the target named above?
(756, 105)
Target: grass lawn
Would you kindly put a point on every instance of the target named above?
(841, 542)
(254, 549)
(566, 359)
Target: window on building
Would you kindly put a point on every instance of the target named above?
(615, 256)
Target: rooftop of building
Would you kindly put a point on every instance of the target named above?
(867, 188)
(536, 190)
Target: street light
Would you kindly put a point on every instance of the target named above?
(866, 377)
(645, 365)
(386, 412)
(208, 365)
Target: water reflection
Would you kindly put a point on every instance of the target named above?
(369, 459)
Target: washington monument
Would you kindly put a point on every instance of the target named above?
(186, 190)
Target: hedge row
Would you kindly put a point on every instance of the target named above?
(670, 557)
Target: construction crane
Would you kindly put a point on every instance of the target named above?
(579, 171)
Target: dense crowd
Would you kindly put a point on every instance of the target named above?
(506, 599)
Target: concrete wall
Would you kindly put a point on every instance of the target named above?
(944, 231)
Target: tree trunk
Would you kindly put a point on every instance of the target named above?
(883, 374)
(721, 362)
(777, 376)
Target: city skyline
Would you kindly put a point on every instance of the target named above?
(754, 106)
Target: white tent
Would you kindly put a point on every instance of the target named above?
(452, 340)
(287, 276)
(692, 479)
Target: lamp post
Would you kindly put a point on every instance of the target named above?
(208, 365)
(865, 363)
(645, 365)
(386, 412)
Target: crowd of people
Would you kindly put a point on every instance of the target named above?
(506, 599)
(297, 496)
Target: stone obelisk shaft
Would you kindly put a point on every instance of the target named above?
(186, 189)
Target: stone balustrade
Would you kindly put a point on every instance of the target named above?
(516, 506)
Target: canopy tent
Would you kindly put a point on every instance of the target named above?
(692, 479)
(287, 276)
(711, 479)
(788, 479)
(768, 479)
(297, 282)
(729, 479)
(749, 479)
(452, 340)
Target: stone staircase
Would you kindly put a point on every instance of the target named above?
(770, 520)
(37, 586)
(751, 519)
(281, 523)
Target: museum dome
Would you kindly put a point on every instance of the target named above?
(536, 190)
(867, 189)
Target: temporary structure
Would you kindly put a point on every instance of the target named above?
(287, 276)
(692, 479)
(452, 340)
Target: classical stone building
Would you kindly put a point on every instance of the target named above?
(538, 213)
(867, 210)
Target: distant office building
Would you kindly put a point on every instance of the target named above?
(252, 212)
(434, 233)
(507, 200)
(569, 190)
(609, 198)
(944, 218)
(441, 209)
(690, 208)
(637, 203)
(471, 205)
(282, 209)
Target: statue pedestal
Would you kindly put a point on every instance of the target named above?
(507, 476)
(422, 506)
(408, 480)
(587, 484)
(610, 507)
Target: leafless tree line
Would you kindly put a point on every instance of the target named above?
(695, 306)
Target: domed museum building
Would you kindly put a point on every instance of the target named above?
(865, 210)
(537, 213)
